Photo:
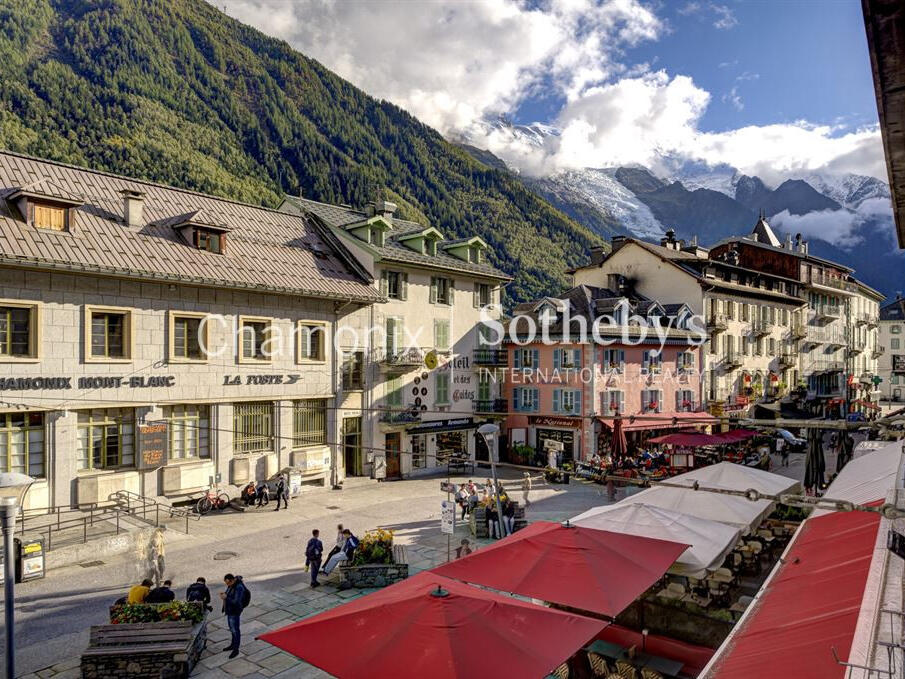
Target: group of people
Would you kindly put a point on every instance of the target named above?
(258, 494)
(469, 496)
(343, 550)
(236, 598)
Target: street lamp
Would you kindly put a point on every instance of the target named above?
(13, 487)
(489, 430)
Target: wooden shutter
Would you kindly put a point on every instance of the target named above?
(384, 286)
(452, 292)
(577, 406)
(403, 286)
(535, 358)
(557, 358)
(433, 292)
(476, 296)
(557, 400)
(515, 399)
(517, 358)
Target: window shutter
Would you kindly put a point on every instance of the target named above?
(645, 363)
(403, 286)
(576, 357)
(620, 400)
(645, 400)
(517, 358)
(535, 360)
(383, 284)
(557, 358)
(452, 292)
(515, 399)
(433, 293)
(679, 400)
(620, 359)
(577, 401)
(476, 298)
(535, 400)
(557, 400)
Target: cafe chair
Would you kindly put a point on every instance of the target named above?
(673, 590)
(626, 670)
(599, 665)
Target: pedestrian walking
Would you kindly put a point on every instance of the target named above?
(314, 552)
(526, 488)
(198, 591)
(235, 600)
(282, 493)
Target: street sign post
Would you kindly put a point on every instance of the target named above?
(448, 517)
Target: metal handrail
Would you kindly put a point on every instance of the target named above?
(146, 504)
(94, 514)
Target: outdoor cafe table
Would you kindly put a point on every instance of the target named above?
(662, 665)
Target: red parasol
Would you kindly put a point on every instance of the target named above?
(584, 568)
(430, 626)
(618, 446)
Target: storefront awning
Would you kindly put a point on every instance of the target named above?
(665, 421)
(433, 426)
(809, 606)
(583, 568)
(869, 476)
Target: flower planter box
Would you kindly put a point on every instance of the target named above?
(371, 575)
(144, 650)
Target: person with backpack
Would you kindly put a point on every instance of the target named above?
(314, 552)
(198, 591)
(235, 600)
(162, 594)
(282, 493)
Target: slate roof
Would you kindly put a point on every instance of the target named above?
(267, 250)
(339, 216)
(894, 311)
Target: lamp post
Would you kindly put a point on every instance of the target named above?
(13, 487)
(490, 431)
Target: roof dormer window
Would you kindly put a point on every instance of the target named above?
(205, 239)
(203, 234)
(378, 236)
(46, 216)
(430, 247)
(44, 205)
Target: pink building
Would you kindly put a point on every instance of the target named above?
(645, 366)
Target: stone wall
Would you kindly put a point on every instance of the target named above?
(372, 575)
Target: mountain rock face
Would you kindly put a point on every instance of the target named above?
(175, 91)
(794, 195)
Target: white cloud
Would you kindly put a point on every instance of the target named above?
(733, 98)
(839, 227)
(724, 18)
(721, 16)
(457, 64)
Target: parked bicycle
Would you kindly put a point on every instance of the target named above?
(213, 499)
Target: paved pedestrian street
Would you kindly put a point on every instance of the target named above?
(55, 614)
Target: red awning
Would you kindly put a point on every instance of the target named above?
(809, 606)
(411, 630)
(661, 421)
(736, 435)
(583, 568)
(688, 439)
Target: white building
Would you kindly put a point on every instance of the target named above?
(892, 361)
(126, 303)
(428, 384)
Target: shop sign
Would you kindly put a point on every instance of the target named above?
(462, 395)
(898, 363)
(257, 380)
(443, 425)
(541, 421)
(153, 441)
(104, 382)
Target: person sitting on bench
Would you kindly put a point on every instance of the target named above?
(345, 554)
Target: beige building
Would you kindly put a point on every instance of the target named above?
(127, 304)
(891, 337)
(428, 382)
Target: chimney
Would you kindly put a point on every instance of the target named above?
(598, 254)
(669, 240)
(617, 242)
(385, 209)
(804, 247)
(133, 207)
(788, 245)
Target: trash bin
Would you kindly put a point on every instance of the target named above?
(29, 558)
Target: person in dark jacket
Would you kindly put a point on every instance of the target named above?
(233, 604)
(314, 552)
(162, 594)
(261, 493)
(198, 591)
(282, 493)
(345, 554)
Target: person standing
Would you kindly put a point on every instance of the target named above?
(156, 557)
(314, 552)
(235, 599)
(282, 493)
(526, 488)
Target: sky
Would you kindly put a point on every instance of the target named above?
(774, 88)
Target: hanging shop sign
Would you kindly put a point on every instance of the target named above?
(572, 422)
(154, 444)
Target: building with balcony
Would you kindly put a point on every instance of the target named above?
(429, 376)
(752, 318)
(643, 363)
(129, 309)
(891, 340)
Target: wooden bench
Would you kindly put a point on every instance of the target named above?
(144, 650)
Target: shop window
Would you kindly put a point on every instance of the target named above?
(311, 342)
(309, 422)
(190, 427)
(106, 438)
(22, 444)
(442, 388)
(255, 338)
(353, 371)
(252, 427)
(18, 330)
(189, 337)
(110, 333)
(419, 451)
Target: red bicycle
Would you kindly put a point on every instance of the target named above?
(213, 499)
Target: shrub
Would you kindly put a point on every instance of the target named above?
(123, 614)
(375, 547)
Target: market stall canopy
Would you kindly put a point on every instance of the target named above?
(732, 476)
(584, 568)
(411, 629)
(654, 421)
(710, 541)
(692, 439)
(735, 435)
(809, 606)
(735, 511)
(869, 477)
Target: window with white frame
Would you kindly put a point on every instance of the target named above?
(653, 362)
(613, 402)
(567, 401)
(685, 362)
(614, 360)
(685, 401)
(526, 358)
(651, 401)
(189, 333)
(254, 335)
(566, 358)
